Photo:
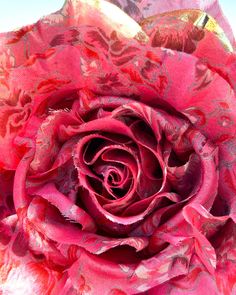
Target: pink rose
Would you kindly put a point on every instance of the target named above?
(117, 151)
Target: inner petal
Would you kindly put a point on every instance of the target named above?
(153, 173)
(144, 135)
(116, 179)
(185, 179)
(108, 168)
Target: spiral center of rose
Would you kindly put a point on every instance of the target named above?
(113, 168)
(122, 165)
(110, 177)
(121, 162)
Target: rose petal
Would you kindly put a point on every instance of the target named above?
(50, 224)
(67, 208)
(20, 272)
(149, 8)
(130, 278)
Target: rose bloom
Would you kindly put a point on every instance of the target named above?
(118, 151)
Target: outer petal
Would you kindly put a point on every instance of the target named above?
(20, 271)
(146, 8)
(26, 276)
(129, 278)
(221, 233)
(194, 283)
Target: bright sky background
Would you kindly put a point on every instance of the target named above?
(15, 13)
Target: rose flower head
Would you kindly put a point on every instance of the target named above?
(118, 151)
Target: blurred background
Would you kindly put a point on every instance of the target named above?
(16, 13)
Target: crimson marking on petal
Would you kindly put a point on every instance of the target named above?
(117, 292)
(193, 214)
